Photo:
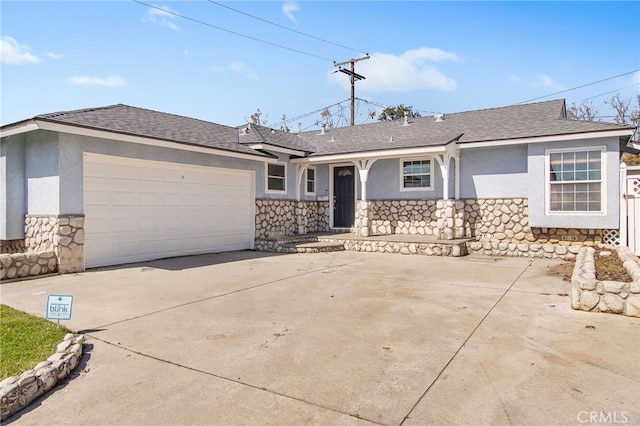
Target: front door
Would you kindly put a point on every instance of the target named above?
(343, 196)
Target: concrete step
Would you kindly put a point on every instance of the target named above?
(312, 247)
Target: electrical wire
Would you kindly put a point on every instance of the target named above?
(608, 93)
(232, 32)
(578, 87)
(285, 28)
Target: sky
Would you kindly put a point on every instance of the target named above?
(224, 61)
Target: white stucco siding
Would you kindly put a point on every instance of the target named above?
(538, 191)
(495, 172)
(42, 171)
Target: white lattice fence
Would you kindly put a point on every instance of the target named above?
(633, 213)
(611, 237)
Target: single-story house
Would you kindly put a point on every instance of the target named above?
(119, 184)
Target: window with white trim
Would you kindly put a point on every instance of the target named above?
(310, 188)
(276, 178)
(416, 174)
(575, 181)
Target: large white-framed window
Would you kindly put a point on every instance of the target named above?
(310, 181)
(416, 174)
(276, 178)
(575, 180)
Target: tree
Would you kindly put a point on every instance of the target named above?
(624, 114)
(397, 112)
(584, 111)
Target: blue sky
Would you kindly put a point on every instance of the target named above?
(434, 56)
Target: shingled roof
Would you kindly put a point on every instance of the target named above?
(133, 121)
(487, 125)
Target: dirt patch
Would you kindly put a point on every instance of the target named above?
(609, 267)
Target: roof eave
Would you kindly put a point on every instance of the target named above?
(52, 125)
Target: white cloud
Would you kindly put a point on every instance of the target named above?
(545, 82)
(411, 70)
(111, 81)
(54, 55)
(237, 67)
(162, 17)
(288, 8)
(12, 52)
(515, 77)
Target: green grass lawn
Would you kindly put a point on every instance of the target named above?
(25, 341)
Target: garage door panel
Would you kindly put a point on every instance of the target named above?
(140, 210)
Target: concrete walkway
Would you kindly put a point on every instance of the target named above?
(336, 338)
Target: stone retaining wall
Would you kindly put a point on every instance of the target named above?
(18, 392)
(23, 265)
(589, 294)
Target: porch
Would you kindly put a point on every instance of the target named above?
(317, 242)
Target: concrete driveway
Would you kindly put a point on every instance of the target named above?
(336, 338)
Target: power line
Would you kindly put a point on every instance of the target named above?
(608, 93)
(231, 32)
(578, 87)
(284, 27)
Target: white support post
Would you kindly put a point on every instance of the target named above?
(443, 161)
(363, 173)
(456, 162)
(300, 168)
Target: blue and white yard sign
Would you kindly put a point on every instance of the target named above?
(59, 307)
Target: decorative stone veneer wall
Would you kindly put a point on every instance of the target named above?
(21, 265)
(589, 294)
(12, 246)
(18, 392)
(499, 226)
(286, 217)
(62, 234)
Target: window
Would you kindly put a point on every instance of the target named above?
(415, 174)
(276, 178)
(575, 181)
(311, 181)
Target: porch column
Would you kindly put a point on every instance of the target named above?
(300, 168)
(301, 215)
(363, 173)
(362, 221)
(446, 220)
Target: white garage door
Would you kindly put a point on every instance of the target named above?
(138, 210)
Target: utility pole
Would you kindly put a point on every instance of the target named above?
(353, 77)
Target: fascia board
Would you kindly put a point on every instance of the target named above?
(389, 153)
(21, 128)
(552, 138)
(273, 148)
(83, 131)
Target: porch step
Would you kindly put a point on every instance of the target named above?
(312, 247)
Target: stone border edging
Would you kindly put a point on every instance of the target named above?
(19, 391)
(589, 294)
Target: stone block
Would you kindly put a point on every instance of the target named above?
(589, 300)
(614, 302)
(613, 286)
(632, 306)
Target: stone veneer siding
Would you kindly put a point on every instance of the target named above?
(21, 265)
(499, 226)
(18, 392)
(62, 234)
(12, 246)
(589, 294)
(288, 217)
